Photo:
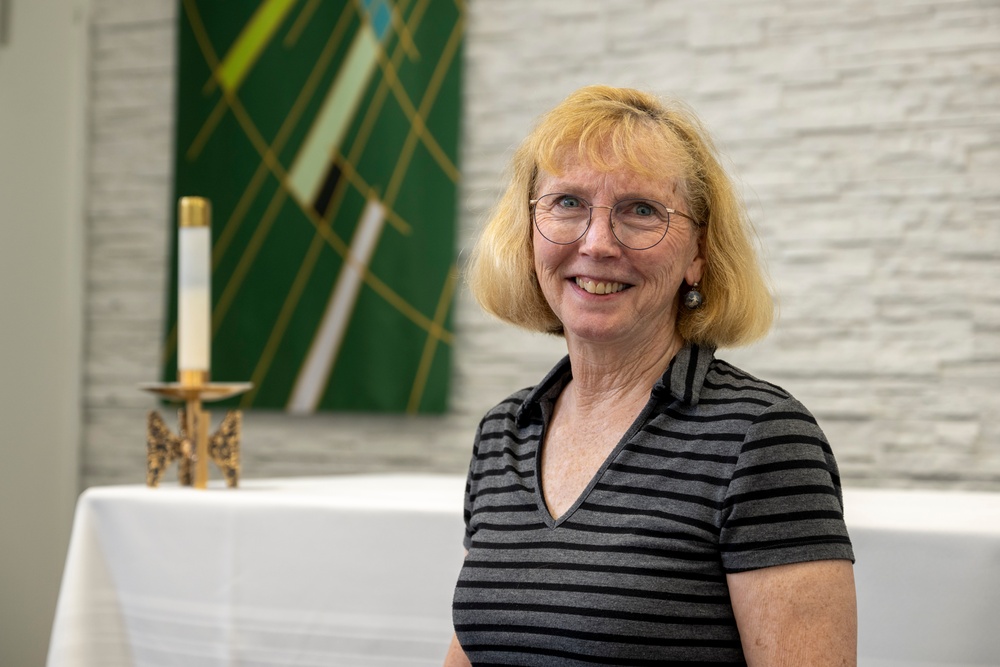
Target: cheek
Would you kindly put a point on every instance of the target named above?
(546, 256)
(534, 244)
(536, 254)
(673, 261)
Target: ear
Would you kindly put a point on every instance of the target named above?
(697, 266)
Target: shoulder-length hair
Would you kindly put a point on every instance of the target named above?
(615, 128)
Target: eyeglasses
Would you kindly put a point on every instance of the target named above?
(638, 224)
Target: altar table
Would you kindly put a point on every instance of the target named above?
(353, 570)
(928, 577)
(359, 571)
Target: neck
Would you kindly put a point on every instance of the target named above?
(607, 373)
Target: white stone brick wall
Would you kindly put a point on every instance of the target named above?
(866, 135)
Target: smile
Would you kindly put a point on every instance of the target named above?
(600, 287)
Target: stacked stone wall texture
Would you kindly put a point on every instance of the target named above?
(865, 136)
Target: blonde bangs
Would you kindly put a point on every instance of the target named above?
(610, 136)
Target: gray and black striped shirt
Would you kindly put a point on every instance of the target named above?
(720, 473)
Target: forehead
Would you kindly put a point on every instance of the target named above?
(582, 177)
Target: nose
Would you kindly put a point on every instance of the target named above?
(599, 239)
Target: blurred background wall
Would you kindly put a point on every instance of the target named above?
(865, 135)
(43, 57)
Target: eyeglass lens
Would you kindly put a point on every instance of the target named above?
(636, 223)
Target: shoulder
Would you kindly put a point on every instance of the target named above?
(508, 407)
(727, 398)
(523, 407)
(725, 382)
(700, 384)
(748, 413)
(509, 423)
(503, 417)
(504, 450)
(773, 411)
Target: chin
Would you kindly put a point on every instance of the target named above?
(594, 332)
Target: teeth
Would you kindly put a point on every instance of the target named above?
(599, 288)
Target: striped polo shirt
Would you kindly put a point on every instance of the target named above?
(721, 472)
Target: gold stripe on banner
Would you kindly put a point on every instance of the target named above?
(430, 345)
(301, 22)
(284, 317)
(232, 287)
(417, 128)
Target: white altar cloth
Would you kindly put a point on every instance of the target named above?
(928, 577)
(315, 571)
(359, 571)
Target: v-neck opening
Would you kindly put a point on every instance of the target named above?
(553, 522)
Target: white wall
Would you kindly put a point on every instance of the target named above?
(42, 112)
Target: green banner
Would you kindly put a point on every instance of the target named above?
(325, 133)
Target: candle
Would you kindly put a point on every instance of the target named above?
(194, 290)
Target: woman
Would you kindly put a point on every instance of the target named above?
(645, 503)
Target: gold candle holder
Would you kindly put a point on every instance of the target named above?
(193, 446)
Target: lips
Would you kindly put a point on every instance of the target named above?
(600, 287)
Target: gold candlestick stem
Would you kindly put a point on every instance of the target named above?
(198, 426)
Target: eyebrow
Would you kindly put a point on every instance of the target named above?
(565, 187)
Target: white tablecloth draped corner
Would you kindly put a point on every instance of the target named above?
(333, 571)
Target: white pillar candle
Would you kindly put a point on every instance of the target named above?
(194, 285)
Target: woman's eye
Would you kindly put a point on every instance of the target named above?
(643, 209)
(569, 202)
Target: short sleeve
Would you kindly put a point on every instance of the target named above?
(470, 490)
(784, 502)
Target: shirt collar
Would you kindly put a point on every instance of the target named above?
(686, 373)
(546, 390)
(683, 379)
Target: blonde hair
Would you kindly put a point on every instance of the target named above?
(614, 128)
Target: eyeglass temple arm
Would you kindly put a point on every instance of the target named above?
(683, 215)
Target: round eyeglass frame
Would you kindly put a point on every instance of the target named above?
(590, 218)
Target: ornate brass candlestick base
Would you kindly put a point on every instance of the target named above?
(192, 445)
